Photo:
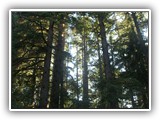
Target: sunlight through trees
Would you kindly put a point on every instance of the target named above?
(80, 60)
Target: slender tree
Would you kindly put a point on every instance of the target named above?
(139, 35)
(85, 72)
(77, 62)
(57, 100)
(46, 73)
(112, 102)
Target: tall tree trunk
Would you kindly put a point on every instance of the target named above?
(46, 72)
(100, 76)
(85, 74)
(106, 61)
(100, 62)
(144, 50)
(77, 74)
(112, 102)
(139, 35)
(57, 100)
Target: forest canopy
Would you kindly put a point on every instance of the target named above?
(80, 60)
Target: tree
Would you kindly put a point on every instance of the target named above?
(56, 101)
(139, 35)
(112, 102)
(46, 72)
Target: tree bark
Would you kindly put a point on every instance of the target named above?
(110, 96)
(100, 62)
(57, 100)
(46, 72)
(106, 61)
(77, 73)
(85, 73)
